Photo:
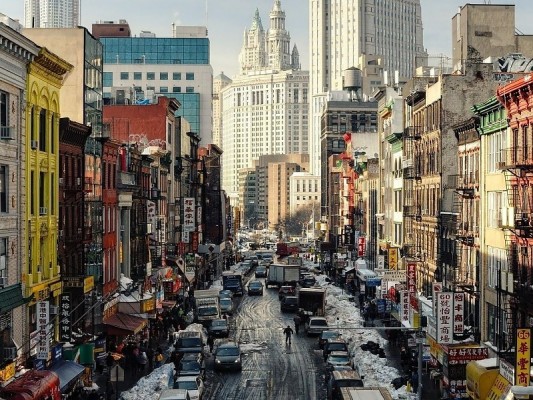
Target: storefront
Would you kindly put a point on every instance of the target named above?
(34, 385)
(367, 281)
(451, 361)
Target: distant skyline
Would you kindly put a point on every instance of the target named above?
(226, 21)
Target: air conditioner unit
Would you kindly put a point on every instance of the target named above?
(6, 132)
(79, 231)
(78, 181)
(3, 281)
(43, 211)
(60, 233)
(34, 144)
(60, 181)
(54, 310)
(148, 229)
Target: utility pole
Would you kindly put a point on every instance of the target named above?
(420, 343)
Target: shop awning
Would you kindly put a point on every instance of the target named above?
(68, 372)
(11, 297)
(124, 324)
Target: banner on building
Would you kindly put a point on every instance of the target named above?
(404, 306)
(65, 329)
(458, 313)
(189, 214)
(43, 318)
(523, 357)
(444, 318)
(393, 258)
(411, 285)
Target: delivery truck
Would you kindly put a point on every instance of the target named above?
(282, 274)
(206, 306)
(312, 301)
(232, 280)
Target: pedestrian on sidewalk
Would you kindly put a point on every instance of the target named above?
(142, 360)
(110, 362)
(297, 322)
(288, 333)
(158, 357)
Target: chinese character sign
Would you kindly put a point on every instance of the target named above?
(43, 317)
(523, 356)
(361, 246)
(404, 305)
(444, 318)
(458, 312)
(189, 214)
(65, 333)
(393, 258)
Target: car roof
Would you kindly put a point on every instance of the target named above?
(228, 344)
(189, 334)
(290, 297)
(183, 378)
(317, 318)
(255, 282)
(345, 374)
(335, 340)
(221, 320)
(173, 394)
(325, 333)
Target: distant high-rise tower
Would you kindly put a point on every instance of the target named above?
(51, 13)
(343, 30)
(268, 50)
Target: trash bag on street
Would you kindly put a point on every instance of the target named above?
(399, 382)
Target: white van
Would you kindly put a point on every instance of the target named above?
(174, 394)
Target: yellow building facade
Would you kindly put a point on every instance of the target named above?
(41, 275)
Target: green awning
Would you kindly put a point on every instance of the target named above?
(11, 297)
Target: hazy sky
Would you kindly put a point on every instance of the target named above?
(227, 20)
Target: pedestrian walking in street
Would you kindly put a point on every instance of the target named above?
(158, 357)
(288, 333)
(210, 342)
(142, 360)
(297, 322)
(110, 362)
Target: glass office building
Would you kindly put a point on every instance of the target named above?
(142, 68)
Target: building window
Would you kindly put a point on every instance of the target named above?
(4, 118)
(3, 188)
(176, 76)
(3, 258)
(137, 76)
(150, 76)
(107, 79)
(42, 130)
(176, 89)
(124, 76)
(163, 89)
(163, 76)
(189, 76)
(189, 89)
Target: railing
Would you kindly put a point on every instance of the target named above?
(516, 157)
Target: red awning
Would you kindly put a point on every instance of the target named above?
(124, 324)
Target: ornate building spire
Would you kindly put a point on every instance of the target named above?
(253, 53)
(278, 40)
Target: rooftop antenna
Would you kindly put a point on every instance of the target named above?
(206, 15)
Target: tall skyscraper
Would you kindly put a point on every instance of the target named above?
(51, 13)
(343, 30)
(264, 109)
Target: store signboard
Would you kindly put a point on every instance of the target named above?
(458, 313)
(523, 357)
(189, 215)
(393, 258)
(404, 306)
(361, 246)
(436, 287)
(43, 318)
(444, 318)
(65, 333)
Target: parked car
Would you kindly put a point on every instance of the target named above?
(219, 328)
(289, 303)
(245, 267)
(261, 271)
(226, 306)
(286, 291)
(325, 335)
(225, 294)
(316, 325)
(189, 342)
(254, 260)
(337, 358)
(191, 365)
(307, 281)
(334, 345)
(193, 384)
(174, 394)
(341, 379)
(228, 356)
(255, 287)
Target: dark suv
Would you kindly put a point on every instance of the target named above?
(286, 291)
(289, 303)
(336, 344)
(341, 379)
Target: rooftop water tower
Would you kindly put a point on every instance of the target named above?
(352, 82)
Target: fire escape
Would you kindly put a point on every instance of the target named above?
(516, 282)
(411, 209)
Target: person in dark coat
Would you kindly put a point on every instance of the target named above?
(210, 342)
(109, 389)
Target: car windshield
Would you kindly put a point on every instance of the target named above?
(189, 385)
(190, 366)
(255, 285)
(228, 351)
(205, 311)
(337, 346)
(350, 383)
(330, 334)
(260, 269)
(225, 302)
(318, 322)
(339, 359)
(190, 342)
(221, 323)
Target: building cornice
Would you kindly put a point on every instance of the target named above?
(50, 66)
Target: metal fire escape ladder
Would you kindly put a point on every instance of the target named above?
(411, 210)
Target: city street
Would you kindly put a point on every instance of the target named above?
(274, 370)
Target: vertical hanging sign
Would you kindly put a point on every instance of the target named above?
(361, 246)
(523, 357)
(444, 317)
(189, 214)
(65, 332)
(43, 317)
(404, 306)
(458, 313)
